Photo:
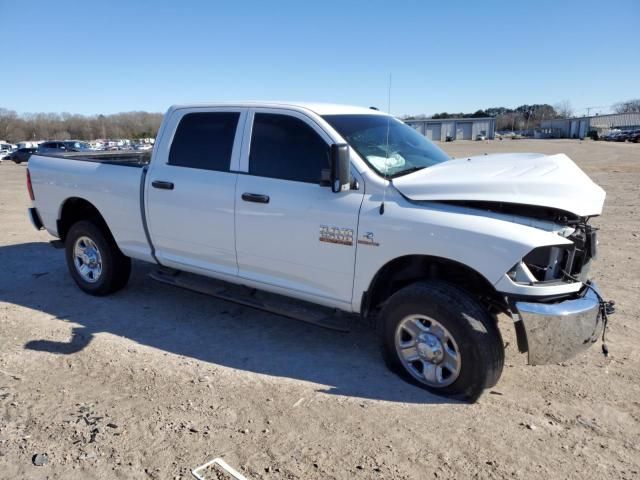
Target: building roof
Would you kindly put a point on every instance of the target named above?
(459, 119)
(605, 116)
(597, 121)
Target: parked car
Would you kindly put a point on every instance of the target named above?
(622, 136)
(142, 146)
(610, 136)
(348, 209)
(6, 149)
(21, 155)
(4, 154)
(59, 146)
(634, 136)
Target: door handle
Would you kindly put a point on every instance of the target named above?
(255, 197)
(162, 184)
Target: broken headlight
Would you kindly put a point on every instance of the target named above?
(544, 264)
(553, 263)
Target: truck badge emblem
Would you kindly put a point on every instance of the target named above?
(341, 236)
(368, 239)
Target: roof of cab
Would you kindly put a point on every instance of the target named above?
(318, 108)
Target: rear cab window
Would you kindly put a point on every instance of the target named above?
(204, 140)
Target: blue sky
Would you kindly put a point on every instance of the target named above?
(104, 57)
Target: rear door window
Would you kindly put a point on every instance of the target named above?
(204, 141)
(285, 147)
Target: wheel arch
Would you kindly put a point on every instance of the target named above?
(407, 269)
(73, 210)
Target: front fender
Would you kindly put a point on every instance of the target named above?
(488, 244)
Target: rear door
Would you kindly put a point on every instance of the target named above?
(291, 232)
(190, 190)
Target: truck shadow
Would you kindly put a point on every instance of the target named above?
(35, 276)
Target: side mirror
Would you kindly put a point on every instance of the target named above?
(340, 168)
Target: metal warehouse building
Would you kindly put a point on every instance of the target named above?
(456, 128)
(580, 127)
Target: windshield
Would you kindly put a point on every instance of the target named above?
(407, 150)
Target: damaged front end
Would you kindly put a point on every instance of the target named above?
(557, 310)
(555, 328)
(568, 262)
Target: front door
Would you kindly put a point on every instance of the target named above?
(291, 232)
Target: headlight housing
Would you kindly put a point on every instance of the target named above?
(550, 263)
(544, 264)
(565, 263)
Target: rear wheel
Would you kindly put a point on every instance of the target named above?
(94, 260)
(442, 339)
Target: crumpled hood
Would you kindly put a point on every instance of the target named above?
(553, 181)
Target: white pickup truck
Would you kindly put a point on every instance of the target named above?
(350, 210)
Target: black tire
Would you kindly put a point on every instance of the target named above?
(116, 267)
(472, 327)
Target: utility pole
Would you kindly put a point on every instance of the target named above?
(588, 109)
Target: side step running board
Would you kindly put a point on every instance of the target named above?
(268, 302)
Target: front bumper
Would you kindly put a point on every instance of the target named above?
(556, 332)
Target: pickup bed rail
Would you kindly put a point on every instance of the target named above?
(128, 159)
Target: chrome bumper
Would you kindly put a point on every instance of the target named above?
(556, 332)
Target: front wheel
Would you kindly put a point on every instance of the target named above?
(94, 260)
(440, 338)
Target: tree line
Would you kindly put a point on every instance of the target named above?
(630, 106)
(16, 127)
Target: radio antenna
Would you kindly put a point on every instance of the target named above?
(386, 162)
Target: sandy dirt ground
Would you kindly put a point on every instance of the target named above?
(154, 381)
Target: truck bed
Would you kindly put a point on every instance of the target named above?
(127, 159)
(112, 182)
